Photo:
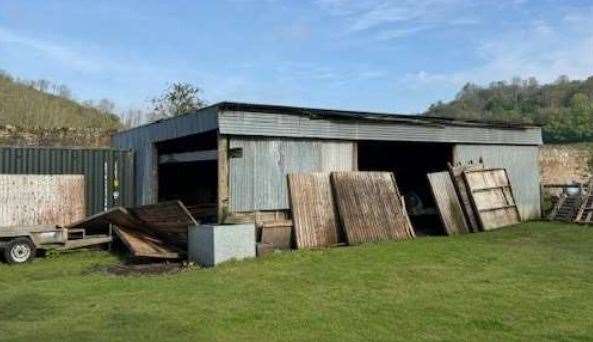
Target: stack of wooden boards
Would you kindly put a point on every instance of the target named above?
(154, 231)
(472, 198)
(346, 207)
(574, 207)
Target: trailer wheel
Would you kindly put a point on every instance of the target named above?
(19, 250)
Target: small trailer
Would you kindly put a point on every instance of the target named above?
(19, 244)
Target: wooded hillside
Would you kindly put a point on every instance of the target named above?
(39, 104)
(564, 107)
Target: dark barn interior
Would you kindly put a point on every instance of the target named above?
(410, 162)
(188, 171)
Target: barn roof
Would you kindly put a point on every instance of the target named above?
(249, 119)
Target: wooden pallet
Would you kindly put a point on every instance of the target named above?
(456, 172)
(492, 196)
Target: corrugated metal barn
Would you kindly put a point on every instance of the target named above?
(230, 160)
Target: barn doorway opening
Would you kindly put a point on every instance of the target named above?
(410, 162)
(188, 171)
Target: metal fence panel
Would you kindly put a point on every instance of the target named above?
(109, 174)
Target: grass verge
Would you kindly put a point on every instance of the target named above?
(529, 282)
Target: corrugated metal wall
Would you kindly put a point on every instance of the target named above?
(107, 172)
(142, 141)
(523, 168)
(258, 178)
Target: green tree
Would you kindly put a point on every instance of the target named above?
(564, 107)
(581, 111)
(179, 98)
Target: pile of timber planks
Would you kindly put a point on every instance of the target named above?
(154, 231)
(471, 198)
(346, 207)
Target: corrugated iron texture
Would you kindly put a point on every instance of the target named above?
(109, 174)
(287, 125)
(30, 200)
(258, 178)
(370, 207)
(313, 211)
(522, 167)
(142, 139)
(291, 124)
(363, 115)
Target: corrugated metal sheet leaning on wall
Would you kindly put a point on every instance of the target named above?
(108, 173)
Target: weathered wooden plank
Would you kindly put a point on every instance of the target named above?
(464, 197)
(30, 200)
(166, 222)
(585, 211)
(279, 236)
(495, 207)
(142, 245)
(117, 216)
(223, 177)
(370, 206)
(313, 210)
(447, 203)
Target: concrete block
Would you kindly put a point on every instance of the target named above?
(209, 245)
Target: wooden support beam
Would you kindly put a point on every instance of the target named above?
(223, 177)
(498, 208)
(488, 188)
(189, 157)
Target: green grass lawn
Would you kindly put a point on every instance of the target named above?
(530, 282)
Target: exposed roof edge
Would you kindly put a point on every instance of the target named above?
(368, 116)
(336, 114)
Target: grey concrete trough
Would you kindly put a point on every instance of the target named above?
(209, 245)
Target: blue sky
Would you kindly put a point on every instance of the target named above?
(391, 56)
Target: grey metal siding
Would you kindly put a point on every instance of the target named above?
(286, 125)
(258, 178)
(142, 139)
(522, 165)
(106, 171)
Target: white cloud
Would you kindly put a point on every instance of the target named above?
(84, 58)
(400, 33)
(389, 20)
(364, 15)
(539, 50)
(54, 50)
